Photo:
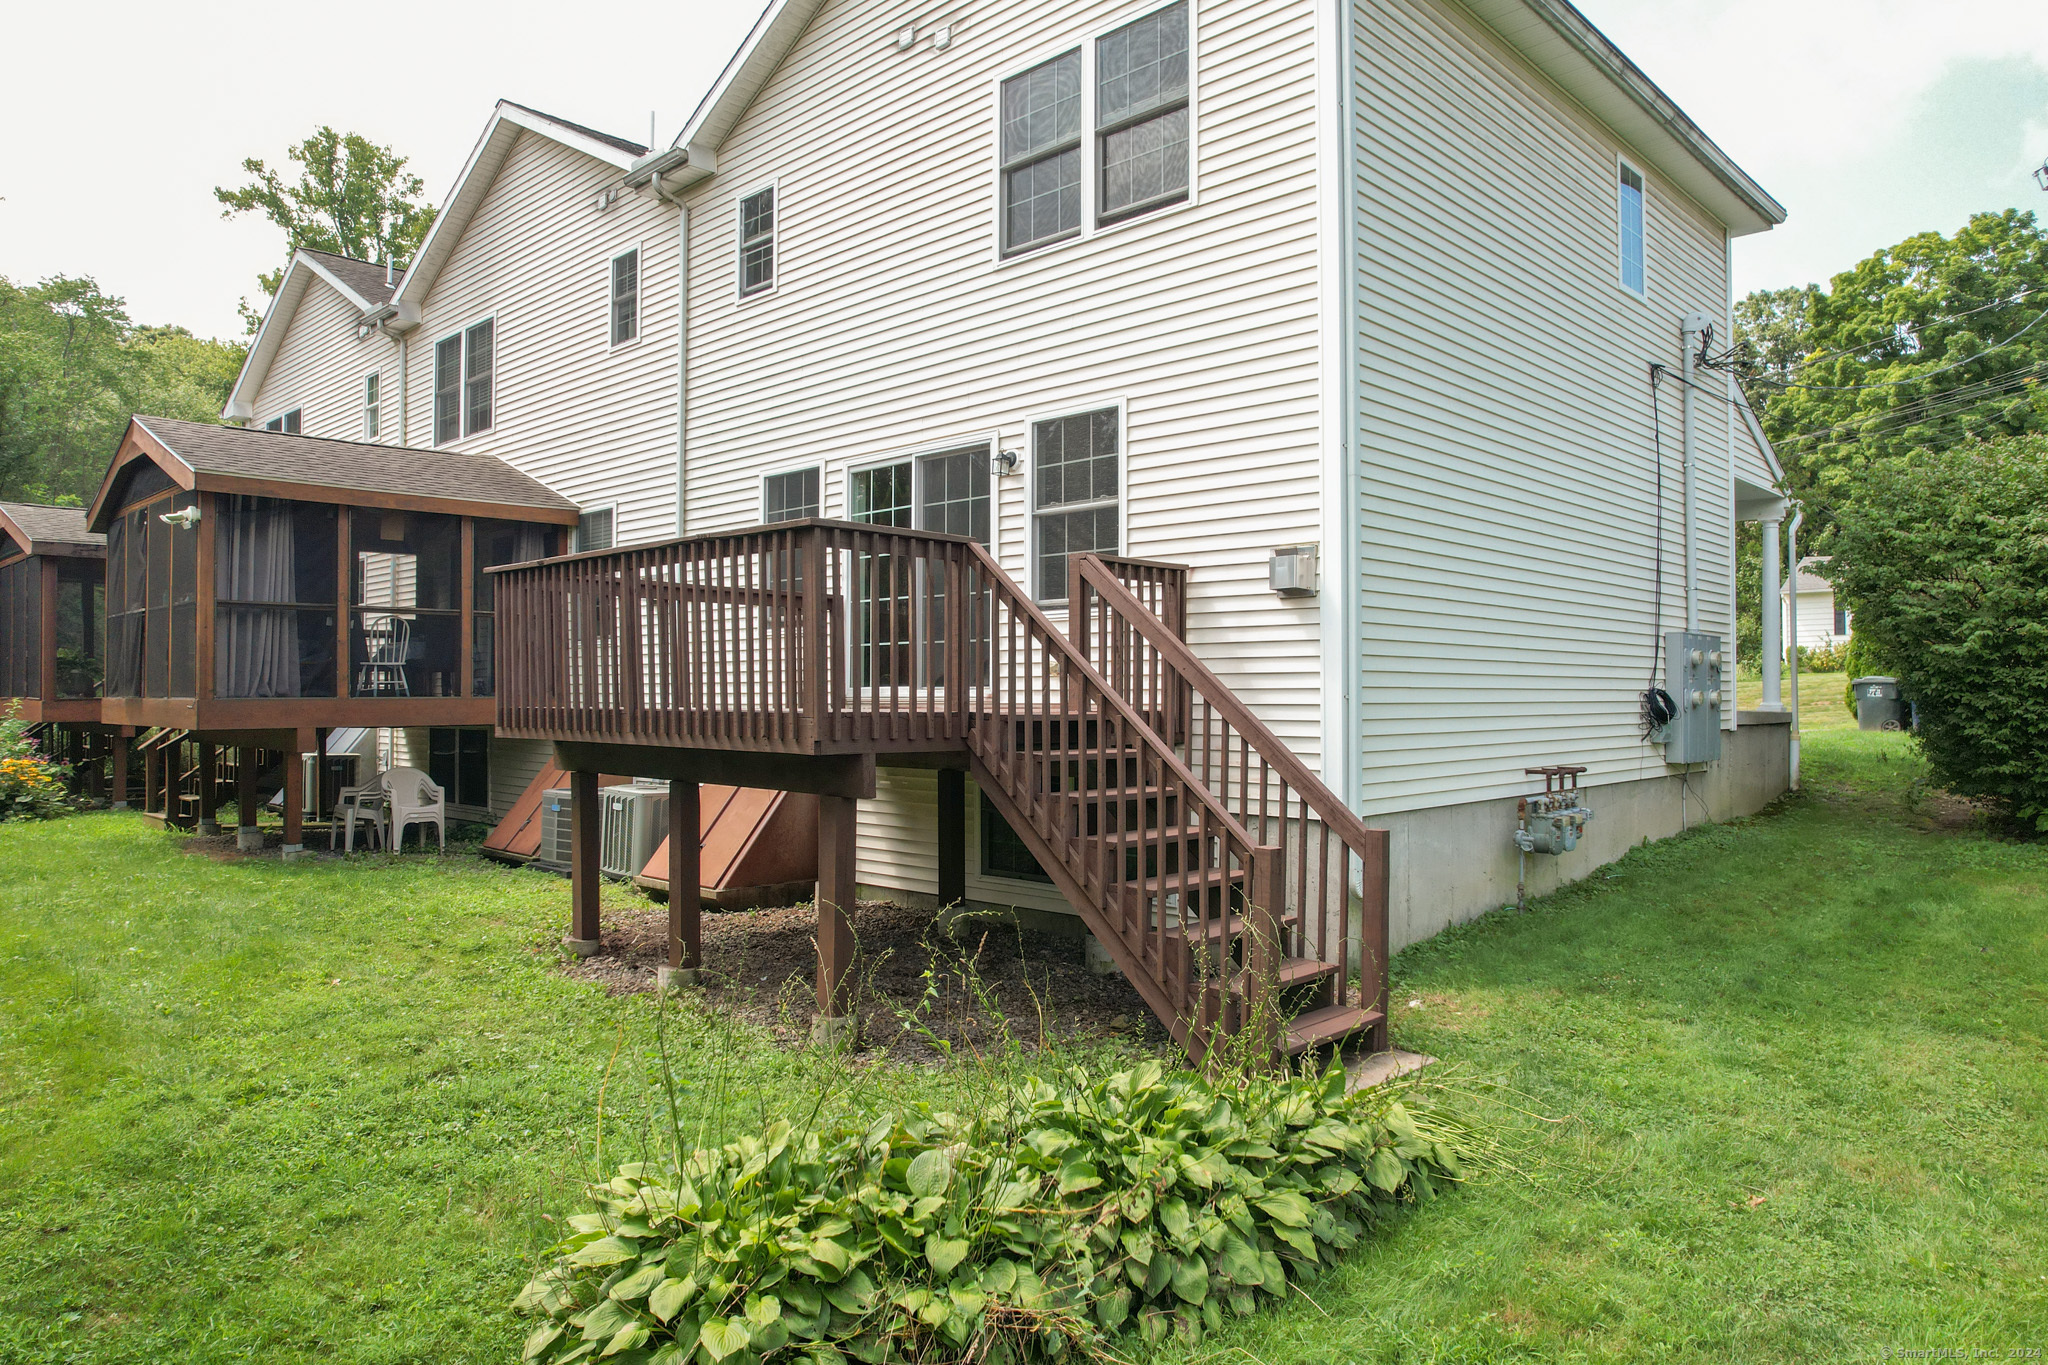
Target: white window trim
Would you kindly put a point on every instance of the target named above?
(279, 419)
(576, 531)
(1090, 140)
(1622, 163)
(774, 240)
(1123, 487)
(639, 300)
(762, 488)
(462, 379)
(376, 377)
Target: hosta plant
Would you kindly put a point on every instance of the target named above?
(1085, 1208)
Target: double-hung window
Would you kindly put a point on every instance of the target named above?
(790, 496)
(1629, 214)
(1076, 472)
(1041, 151)
(757, 241)
(1097, 134)
(370, 406)
(288, 424)
(464, 366)
(1141, 113)
(625, 296)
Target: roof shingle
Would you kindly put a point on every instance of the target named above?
(352, 466)
(365, 277)
(48, 525)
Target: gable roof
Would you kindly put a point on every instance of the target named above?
(272, 464)
(40, 529)
(1553, 36)
(1808, 580)
(361, 283)
(508, 121)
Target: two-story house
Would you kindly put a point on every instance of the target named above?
(1391, 321)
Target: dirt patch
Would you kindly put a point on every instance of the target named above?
(761, 965)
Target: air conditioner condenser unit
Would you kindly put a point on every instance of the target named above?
(634, 820)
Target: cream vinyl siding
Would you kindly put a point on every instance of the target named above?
(1504, 449)
(319, 368)
(593, 421)
(893, 328)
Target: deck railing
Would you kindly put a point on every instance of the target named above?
(1337, 873)
(826, 636)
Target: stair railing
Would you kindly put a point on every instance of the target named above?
(1166, 876)
(1337, 887)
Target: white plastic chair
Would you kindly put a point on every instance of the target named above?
(413, 798)
(362, 804)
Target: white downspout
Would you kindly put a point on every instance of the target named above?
(404, 435)
(1773, 619)
(682, 369)
(1792, 611)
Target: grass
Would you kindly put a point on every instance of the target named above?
(1789, 1074)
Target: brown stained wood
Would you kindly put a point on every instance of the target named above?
(294, 799)
(583, 856)
(952, 836)
(466, 602)
(685, 877)
(46, 593)
(837, 821)
(246, 795)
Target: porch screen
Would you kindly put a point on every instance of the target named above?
(405, 632)
(497, 542)
(21, 629)
(274, 582)
(81, 608)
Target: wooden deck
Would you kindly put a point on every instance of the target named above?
(1241, 898)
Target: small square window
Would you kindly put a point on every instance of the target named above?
(790, 496)
(594, 529)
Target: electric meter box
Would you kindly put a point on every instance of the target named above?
(1692, 675)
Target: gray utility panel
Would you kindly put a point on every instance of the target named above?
(1692, 675)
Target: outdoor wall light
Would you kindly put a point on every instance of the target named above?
(185, 518)
(1006, 461)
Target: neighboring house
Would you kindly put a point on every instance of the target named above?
(1821, 622)
(1408, 283)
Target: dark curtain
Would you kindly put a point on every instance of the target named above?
(256, 648)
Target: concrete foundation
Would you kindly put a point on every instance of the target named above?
(293, 852)
(1455, 863)
(208, 827)
(835, 1031)
(248, 838)
(1098, 959)
(582, 947)
(668, 979)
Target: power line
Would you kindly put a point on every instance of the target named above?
(1915, 328)
(1897, 383)
(1933, 407)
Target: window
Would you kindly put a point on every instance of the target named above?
(370, 406)
(947, 491)
(1841, 620)
(625, 296)
(757, 242)
(594, 529)
(1631, 221)
(405, 626)
(464, 365)
(1041, 153)
(1141, 113)
(1003, 852)
(1075, 463)
(459, 761)
(496, 542)
(1134, 136)
(790, 496)
(288, 424)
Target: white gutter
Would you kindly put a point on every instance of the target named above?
(1792, 582)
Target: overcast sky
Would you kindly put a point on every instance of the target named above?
(1868, 119)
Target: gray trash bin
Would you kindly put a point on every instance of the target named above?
(1877, 704)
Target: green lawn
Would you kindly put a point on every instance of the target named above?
(1790, 1074)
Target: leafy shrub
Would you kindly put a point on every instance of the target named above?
(1077, 1210)
(1832, 657)
(1944, 559)
(31, 785)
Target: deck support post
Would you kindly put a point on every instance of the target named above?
(952, 824)
(583, 939)
(295, 805)
(685, 882)
(209, 797)
(152, 783)
(837, 818)
(117, 770)
(248, 838)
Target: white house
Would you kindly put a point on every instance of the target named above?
(1822, 624)
(1410, 282)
